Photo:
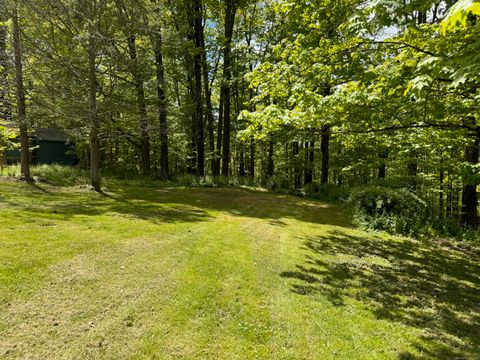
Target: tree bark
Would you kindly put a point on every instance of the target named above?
(325, 148)
(197, 70)
(94, 122)
(296, 165)
(309, 161)
(208, 104)
(382, 168)
(412, 169)
(21, 103)
(241, 171)
(270, 164)
(218, 153)
(441, 201)
(162, 103)
(251, 167)
(469, 195)
(5, 106)
(230, 13)
(142, 106)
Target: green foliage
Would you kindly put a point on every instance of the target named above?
(278, 183)
(7, 137)
(461, 13)
(57, 175)
(330, 192)
(396, 211)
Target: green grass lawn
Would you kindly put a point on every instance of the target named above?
(156, 272)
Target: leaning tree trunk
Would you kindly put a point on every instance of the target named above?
(21, 103)
(230, 12)
(162, 104)
(469, 195)
(94, 123)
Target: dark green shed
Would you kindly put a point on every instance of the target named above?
(50, 146)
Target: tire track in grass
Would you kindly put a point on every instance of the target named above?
(218, 310)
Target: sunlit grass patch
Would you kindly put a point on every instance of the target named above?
(157, 271)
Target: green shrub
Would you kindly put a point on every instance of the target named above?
(60, 175)
(329, 192)
(397, 211)
(278, 184)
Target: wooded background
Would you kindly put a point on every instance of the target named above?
(291, 95)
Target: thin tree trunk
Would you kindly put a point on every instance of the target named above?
(412, 169)
(94, 123)
(141, 104)
(241, 171)
(230, 12)
(309, 161)
(218, 153)
(162, 103)
(208, 104)
(325, 148)
(5, 106)
(382, 169)
(197, 70)
(21, 103)
(441, 202)
(296, 165)
(270, 164)
(251, 167)
(469, 216)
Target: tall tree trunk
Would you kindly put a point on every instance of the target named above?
(382, 168)
(230, 13)
(441, 202)
(21, 103)
(325, 148)
(412, 169)
(296, 165)
(309, 161)
(142, 106)
(270, 164)
(241, 171)
(162, 103)
(251, 167)
(469, 195)
(208, 104)
(197, 70)
(5, 107)
(94, 123)
(218, 152)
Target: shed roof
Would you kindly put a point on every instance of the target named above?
(50, 134)
(45, 134)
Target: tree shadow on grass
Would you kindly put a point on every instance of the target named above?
(49, 203)
(275, 208)
(434, 287)
(176, 204)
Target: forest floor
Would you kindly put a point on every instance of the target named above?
(150, 271)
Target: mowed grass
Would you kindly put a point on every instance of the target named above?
(148, 271)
